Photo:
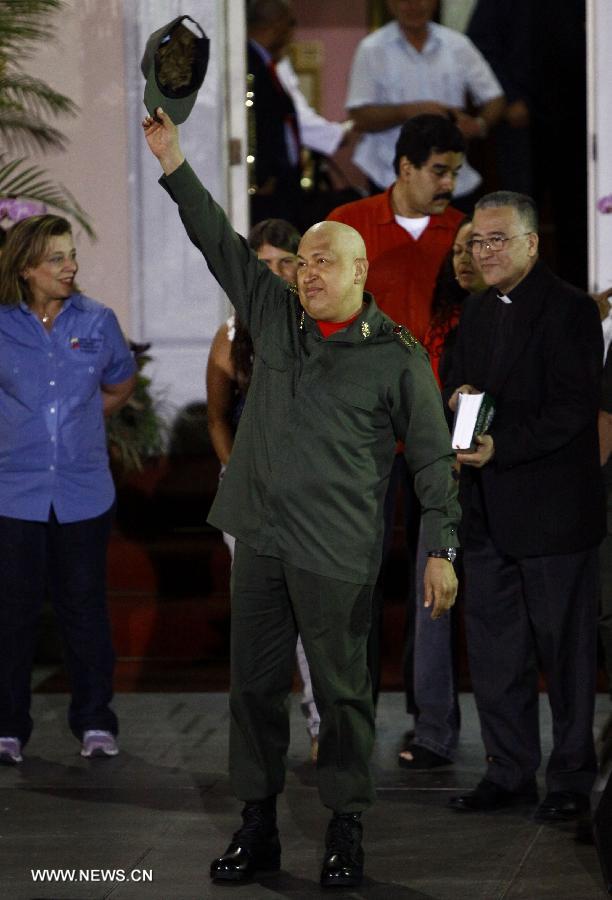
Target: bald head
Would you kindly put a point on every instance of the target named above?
(332, 270)
(347, 240)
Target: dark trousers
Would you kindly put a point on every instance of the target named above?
(401, 488)
(68, 561)
(605, 566)
(524, 616)
(271, 601)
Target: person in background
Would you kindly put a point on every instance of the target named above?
(316, 132)
(533, 515)
(459, 276)
(274, 133)
(228, 376)
(437, 715)
(412, 66)
(64, 365)
(281, 119)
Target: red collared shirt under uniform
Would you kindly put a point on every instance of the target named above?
(402, 270)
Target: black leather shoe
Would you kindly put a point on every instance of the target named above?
(343, 862)
(561, 806)
(255, 847)
(488, 796)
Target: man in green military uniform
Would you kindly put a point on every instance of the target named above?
(335, 384)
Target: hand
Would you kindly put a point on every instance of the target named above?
(517, 114)
(604, 425)
(469, 126)
(440, 586)
(480, 457)
(464, 389)
(163, 140)
(602, 299)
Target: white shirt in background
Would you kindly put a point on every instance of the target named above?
(388, 69)
(316, 132)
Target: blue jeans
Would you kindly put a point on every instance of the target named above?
(435, 689)
(69, 561)
(429, 664)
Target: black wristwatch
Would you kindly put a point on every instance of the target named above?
(449, 553)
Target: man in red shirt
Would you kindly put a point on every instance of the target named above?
(409, 229)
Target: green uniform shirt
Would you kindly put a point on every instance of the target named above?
(310, 466)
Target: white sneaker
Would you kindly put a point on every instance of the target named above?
(99, 743)
(10, 751)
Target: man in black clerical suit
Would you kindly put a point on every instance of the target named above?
(274, 138)
(533, 508)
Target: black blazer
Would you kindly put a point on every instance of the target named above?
(272, 106)
(543, 489)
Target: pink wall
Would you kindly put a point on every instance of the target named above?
(86, 63)
(339, 25)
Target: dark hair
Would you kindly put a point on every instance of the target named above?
(266, 12)
(25, 247)
(277, 233)
(523, 203)
(426, 134)
(448, 295)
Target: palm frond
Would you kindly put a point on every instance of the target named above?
(33, 96)
(26, 103)
(24, 22)
(19, 132)
(32, 183)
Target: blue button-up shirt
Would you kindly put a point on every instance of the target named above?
(52, 435)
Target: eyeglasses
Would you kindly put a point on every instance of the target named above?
(494, 244)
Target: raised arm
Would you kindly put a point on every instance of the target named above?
(251, 287)
(163, 139)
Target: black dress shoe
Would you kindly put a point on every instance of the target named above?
(343, 862)
(255, 847)
(488, 796)
(562, 806)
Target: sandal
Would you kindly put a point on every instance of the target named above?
(422, 758)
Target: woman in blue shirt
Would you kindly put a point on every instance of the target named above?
(64, 365)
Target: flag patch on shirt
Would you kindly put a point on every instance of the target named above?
(86, 345)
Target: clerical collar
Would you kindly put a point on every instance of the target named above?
(503, 297)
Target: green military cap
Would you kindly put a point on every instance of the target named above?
(174, 63)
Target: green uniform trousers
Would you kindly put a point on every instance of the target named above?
(271, 602)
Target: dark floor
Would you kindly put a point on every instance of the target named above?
(164, 806)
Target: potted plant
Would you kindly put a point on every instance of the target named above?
(137, 431)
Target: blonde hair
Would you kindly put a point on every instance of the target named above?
(25, 247)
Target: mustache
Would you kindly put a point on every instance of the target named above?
(446, 195)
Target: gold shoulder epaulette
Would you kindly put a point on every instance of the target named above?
(405, 337)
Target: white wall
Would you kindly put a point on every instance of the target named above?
(175, 302)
